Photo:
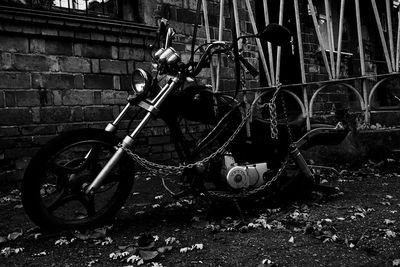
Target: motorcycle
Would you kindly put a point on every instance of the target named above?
(82, 177)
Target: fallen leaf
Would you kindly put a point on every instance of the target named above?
(389, 196)
(396, 262)
(198, 246)
(387, 221)
(2, 239)
(164, 249)
(340, 219)
(159, 197)
(390, 233)
(291, 240)
(14, 235)
(156, 264)
(148, 255)
(170, 240)
(43, 253)
(133, 259)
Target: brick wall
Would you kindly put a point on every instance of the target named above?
(59, 73)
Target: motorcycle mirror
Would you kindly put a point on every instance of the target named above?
(275, 34)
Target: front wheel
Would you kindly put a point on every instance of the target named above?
(52, 187)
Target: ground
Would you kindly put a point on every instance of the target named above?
(357, 228)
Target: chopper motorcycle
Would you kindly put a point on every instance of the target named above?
(83, 177)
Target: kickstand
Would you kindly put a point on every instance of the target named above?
(239, 209)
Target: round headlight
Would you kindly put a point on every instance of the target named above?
(141, 81)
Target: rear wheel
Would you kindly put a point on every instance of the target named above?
(52, 187)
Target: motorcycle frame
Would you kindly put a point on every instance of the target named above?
(151, 106)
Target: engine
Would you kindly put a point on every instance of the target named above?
(244, 176)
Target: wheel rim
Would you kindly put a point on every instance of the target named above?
(65, 175)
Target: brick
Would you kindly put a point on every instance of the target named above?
(38, 130)
(186, 16)
(97, 98)
(77, 97)
(78, 81)
(156, 140)
(113, 66)
(7, 131)
(14, 80)
(95, 65)
(31, 62)
(54, 114)
(27, 98)
(19, 152)
(6, 61)
(77, 114)
(110, 97)
(98, 113)
(22, 163)
(2, 99)
(114, 52)
(14, 44)
(65, 33)
(37, 46)
(128, 53)
(53, 47)
(96, 51)
(74, 64)
(10, 99)
(82, 35)
(117, 82)
(49, 32)
(57, 98)
(53, 81)
(97, 36)
(15, 116)
(96, 81)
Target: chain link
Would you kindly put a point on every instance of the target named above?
(273, 113)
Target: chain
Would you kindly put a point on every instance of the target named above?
(272, 112)
(174, 169)
(286, 119)
(245, 194)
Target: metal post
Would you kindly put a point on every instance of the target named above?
(279, 49)
(362, 61)
(330, 37)
(220, 35)
(270, 53)
(301, 57)
(316, 26)
(340, 36)
(207, 26)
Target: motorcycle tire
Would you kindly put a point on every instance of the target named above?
(53, 185)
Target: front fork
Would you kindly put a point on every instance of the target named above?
(128, 141)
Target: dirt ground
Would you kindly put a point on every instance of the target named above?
(357, 228)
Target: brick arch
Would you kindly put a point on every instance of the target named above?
(351, 88)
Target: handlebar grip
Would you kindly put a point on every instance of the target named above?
(253, 71)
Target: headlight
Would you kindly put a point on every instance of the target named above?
(141, 81)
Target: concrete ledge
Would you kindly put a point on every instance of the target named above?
(358, 147)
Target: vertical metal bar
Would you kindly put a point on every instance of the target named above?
(330, 37)
(301, 57)
(340, 37)
(270, 53)
(260, 50)
(398, 41)
(207, 26)
(384, 45)
(362, 61)
(237, 24)
(279, 49)
(390, 29)
(316, 26)
(220, 35)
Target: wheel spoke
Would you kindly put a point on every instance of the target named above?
(60, 200)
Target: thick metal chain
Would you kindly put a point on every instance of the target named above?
(174, 169)
(273, 113)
